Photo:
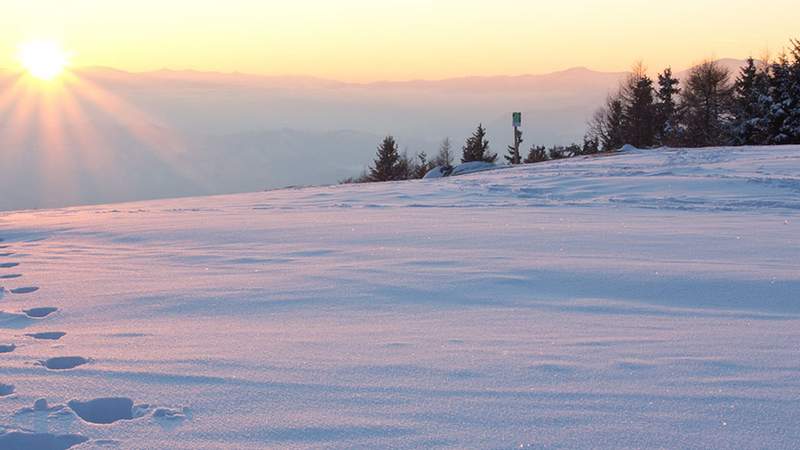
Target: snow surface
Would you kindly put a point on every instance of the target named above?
(648, 299)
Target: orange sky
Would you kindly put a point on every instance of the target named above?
(363, 40)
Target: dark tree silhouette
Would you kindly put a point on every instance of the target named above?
(476, 147)
(750, 90)
(639, 111)
(513, 156)
(667, 120)
(536, 154)
(706, 102)
(387, 165)
(590, 146)
(607, 124)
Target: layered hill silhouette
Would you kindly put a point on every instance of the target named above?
(129, 136)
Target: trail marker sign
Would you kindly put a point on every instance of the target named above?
(517, 119)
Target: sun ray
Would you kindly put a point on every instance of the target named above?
(76, 136)
(56, 165)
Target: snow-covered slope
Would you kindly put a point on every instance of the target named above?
(649, 299)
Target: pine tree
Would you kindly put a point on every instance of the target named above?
(536, 154)
(639, 112)
(558, 152)
(791, 124)
(607, 124)
(573, 150)
(476, 147)
(423, 166)
(387, 165)
(445, 156)
(749, 90)
(590, 146)
(779, 112)
(667, 131)
(513, 156)
(406, 166)
(706, 101)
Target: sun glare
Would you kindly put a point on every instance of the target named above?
(44, 60)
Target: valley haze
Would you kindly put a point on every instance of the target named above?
(183, 133)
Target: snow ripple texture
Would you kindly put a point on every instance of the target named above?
(646, 299)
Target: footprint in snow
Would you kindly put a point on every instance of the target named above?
(24, 290)
(13, 320)
(107, 410)
(40, 441)
(6, 390)
(64, 362)
(7, 348)
(48, 335)
(39, 313)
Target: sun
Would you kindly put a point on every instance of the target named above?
(44, 60)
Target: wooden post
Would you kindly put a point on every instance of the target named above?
(517, 122)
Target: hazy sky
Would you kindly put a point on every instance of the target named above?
(361, 40)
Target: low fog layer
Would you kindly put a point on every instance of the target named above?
(116, 136)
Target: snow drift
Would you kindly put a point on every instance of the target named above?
(647, 299)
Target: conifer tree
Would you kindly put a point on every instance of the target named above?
(573, 150)
(536, 154)
(423, 166)
(639, 112)
(667, 131)
(387, 165)
(783, 117)
(406, 167)
(476, 147)
(558, 152)
(607, 124)
(793, 123)
(590, 145)
(513, 156)
(749, 91)
(706, 102)
(779, 106)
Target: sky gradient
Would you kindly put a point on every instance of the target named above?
(365, 40)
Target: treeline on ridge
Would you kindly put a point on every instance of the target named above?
(760, 106)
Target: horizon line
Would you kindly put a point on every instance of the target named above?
(334, 80)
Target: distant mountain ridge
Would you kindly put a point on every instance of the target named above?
(573, 73)
(207, 133)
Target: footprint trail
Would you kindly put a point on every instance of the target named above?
(64, 362)
(47, 336)
(39, 313)
(25, 290)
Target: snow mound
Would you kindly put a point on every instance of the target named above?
(438, 172)
(461, 169)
